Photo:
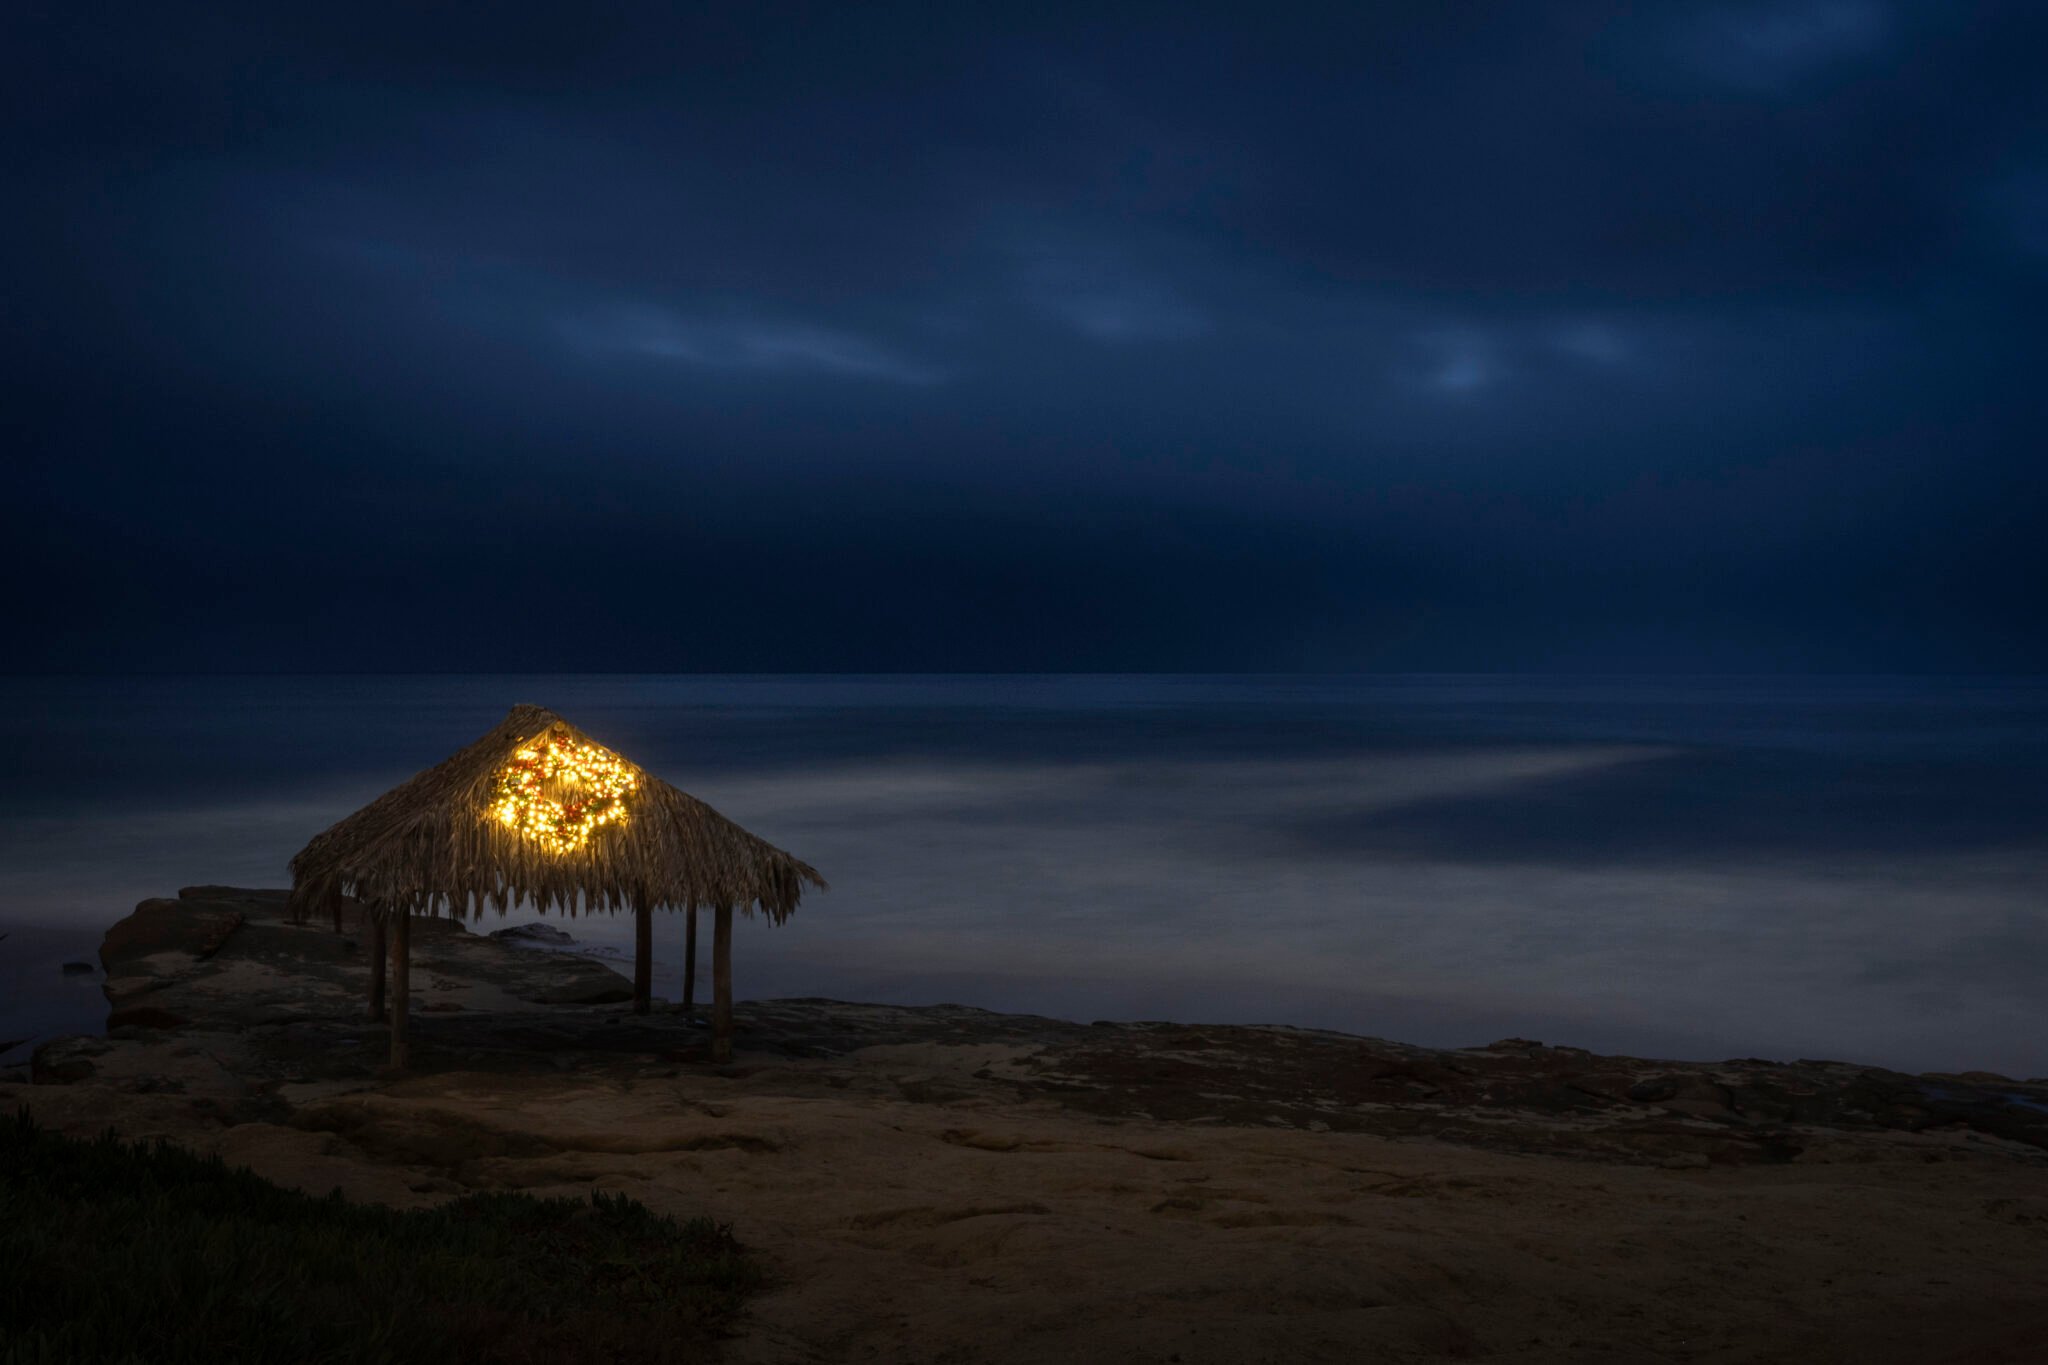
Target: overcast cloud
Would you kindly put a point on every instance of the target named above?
(1496, 336)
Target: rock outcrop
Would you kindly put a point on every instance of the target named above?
(947, 1185)
(217, 994)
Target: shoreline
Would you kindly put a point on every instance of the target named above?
(39, 977)
(947, 1183)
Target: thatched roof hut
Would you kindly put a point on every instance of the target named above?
(538, 811)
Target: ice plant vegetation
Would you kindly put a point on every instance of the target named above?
(129, 1251)
(559, 790)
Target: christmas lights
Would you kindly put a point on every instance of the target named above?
(559, 790)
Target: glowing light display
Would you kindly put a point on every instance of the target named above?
(559, 790)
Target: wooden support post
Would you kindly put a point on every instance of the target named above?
(380, 962)
(401, 985)
(643, 953)
(721, 986)
(690, 963)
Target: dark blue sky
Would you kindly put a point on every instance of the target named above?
(1607, 337)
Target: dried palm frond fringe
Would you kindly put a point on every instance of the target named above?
(430, 845)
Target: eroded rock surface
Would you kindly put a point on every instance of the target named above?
(944, 1185)
(217, 994)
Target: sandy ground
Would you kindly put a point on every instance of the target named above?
(1016, 1233)
(915, 1207)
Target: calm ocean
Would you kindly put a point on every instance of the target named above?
(1700, 868)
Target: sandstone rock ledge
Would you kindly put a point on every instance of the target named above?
(948, 1184)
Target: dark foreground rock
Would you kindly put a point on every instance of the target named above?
(217, 995)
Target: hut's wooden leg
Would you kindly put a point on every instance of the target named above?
(401, 985)
(690, 962)
(380, 963)
(643, 956)
(721, 986)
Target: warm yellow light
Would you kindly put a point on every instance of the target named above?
(521, 799)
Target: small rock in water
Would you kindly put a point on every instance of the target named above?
(533, 933)
(78, 968)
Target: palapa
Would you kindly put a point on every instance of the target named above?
(537, 811)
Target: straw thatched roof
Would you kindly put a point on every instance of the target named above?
(445, 840)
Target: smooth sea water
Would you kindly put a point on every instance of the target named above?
(1699, 868)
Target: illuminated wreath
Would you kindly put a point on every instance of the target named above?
(558, 791)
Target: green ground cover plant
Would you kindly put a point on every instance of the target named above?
(148, 1254)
